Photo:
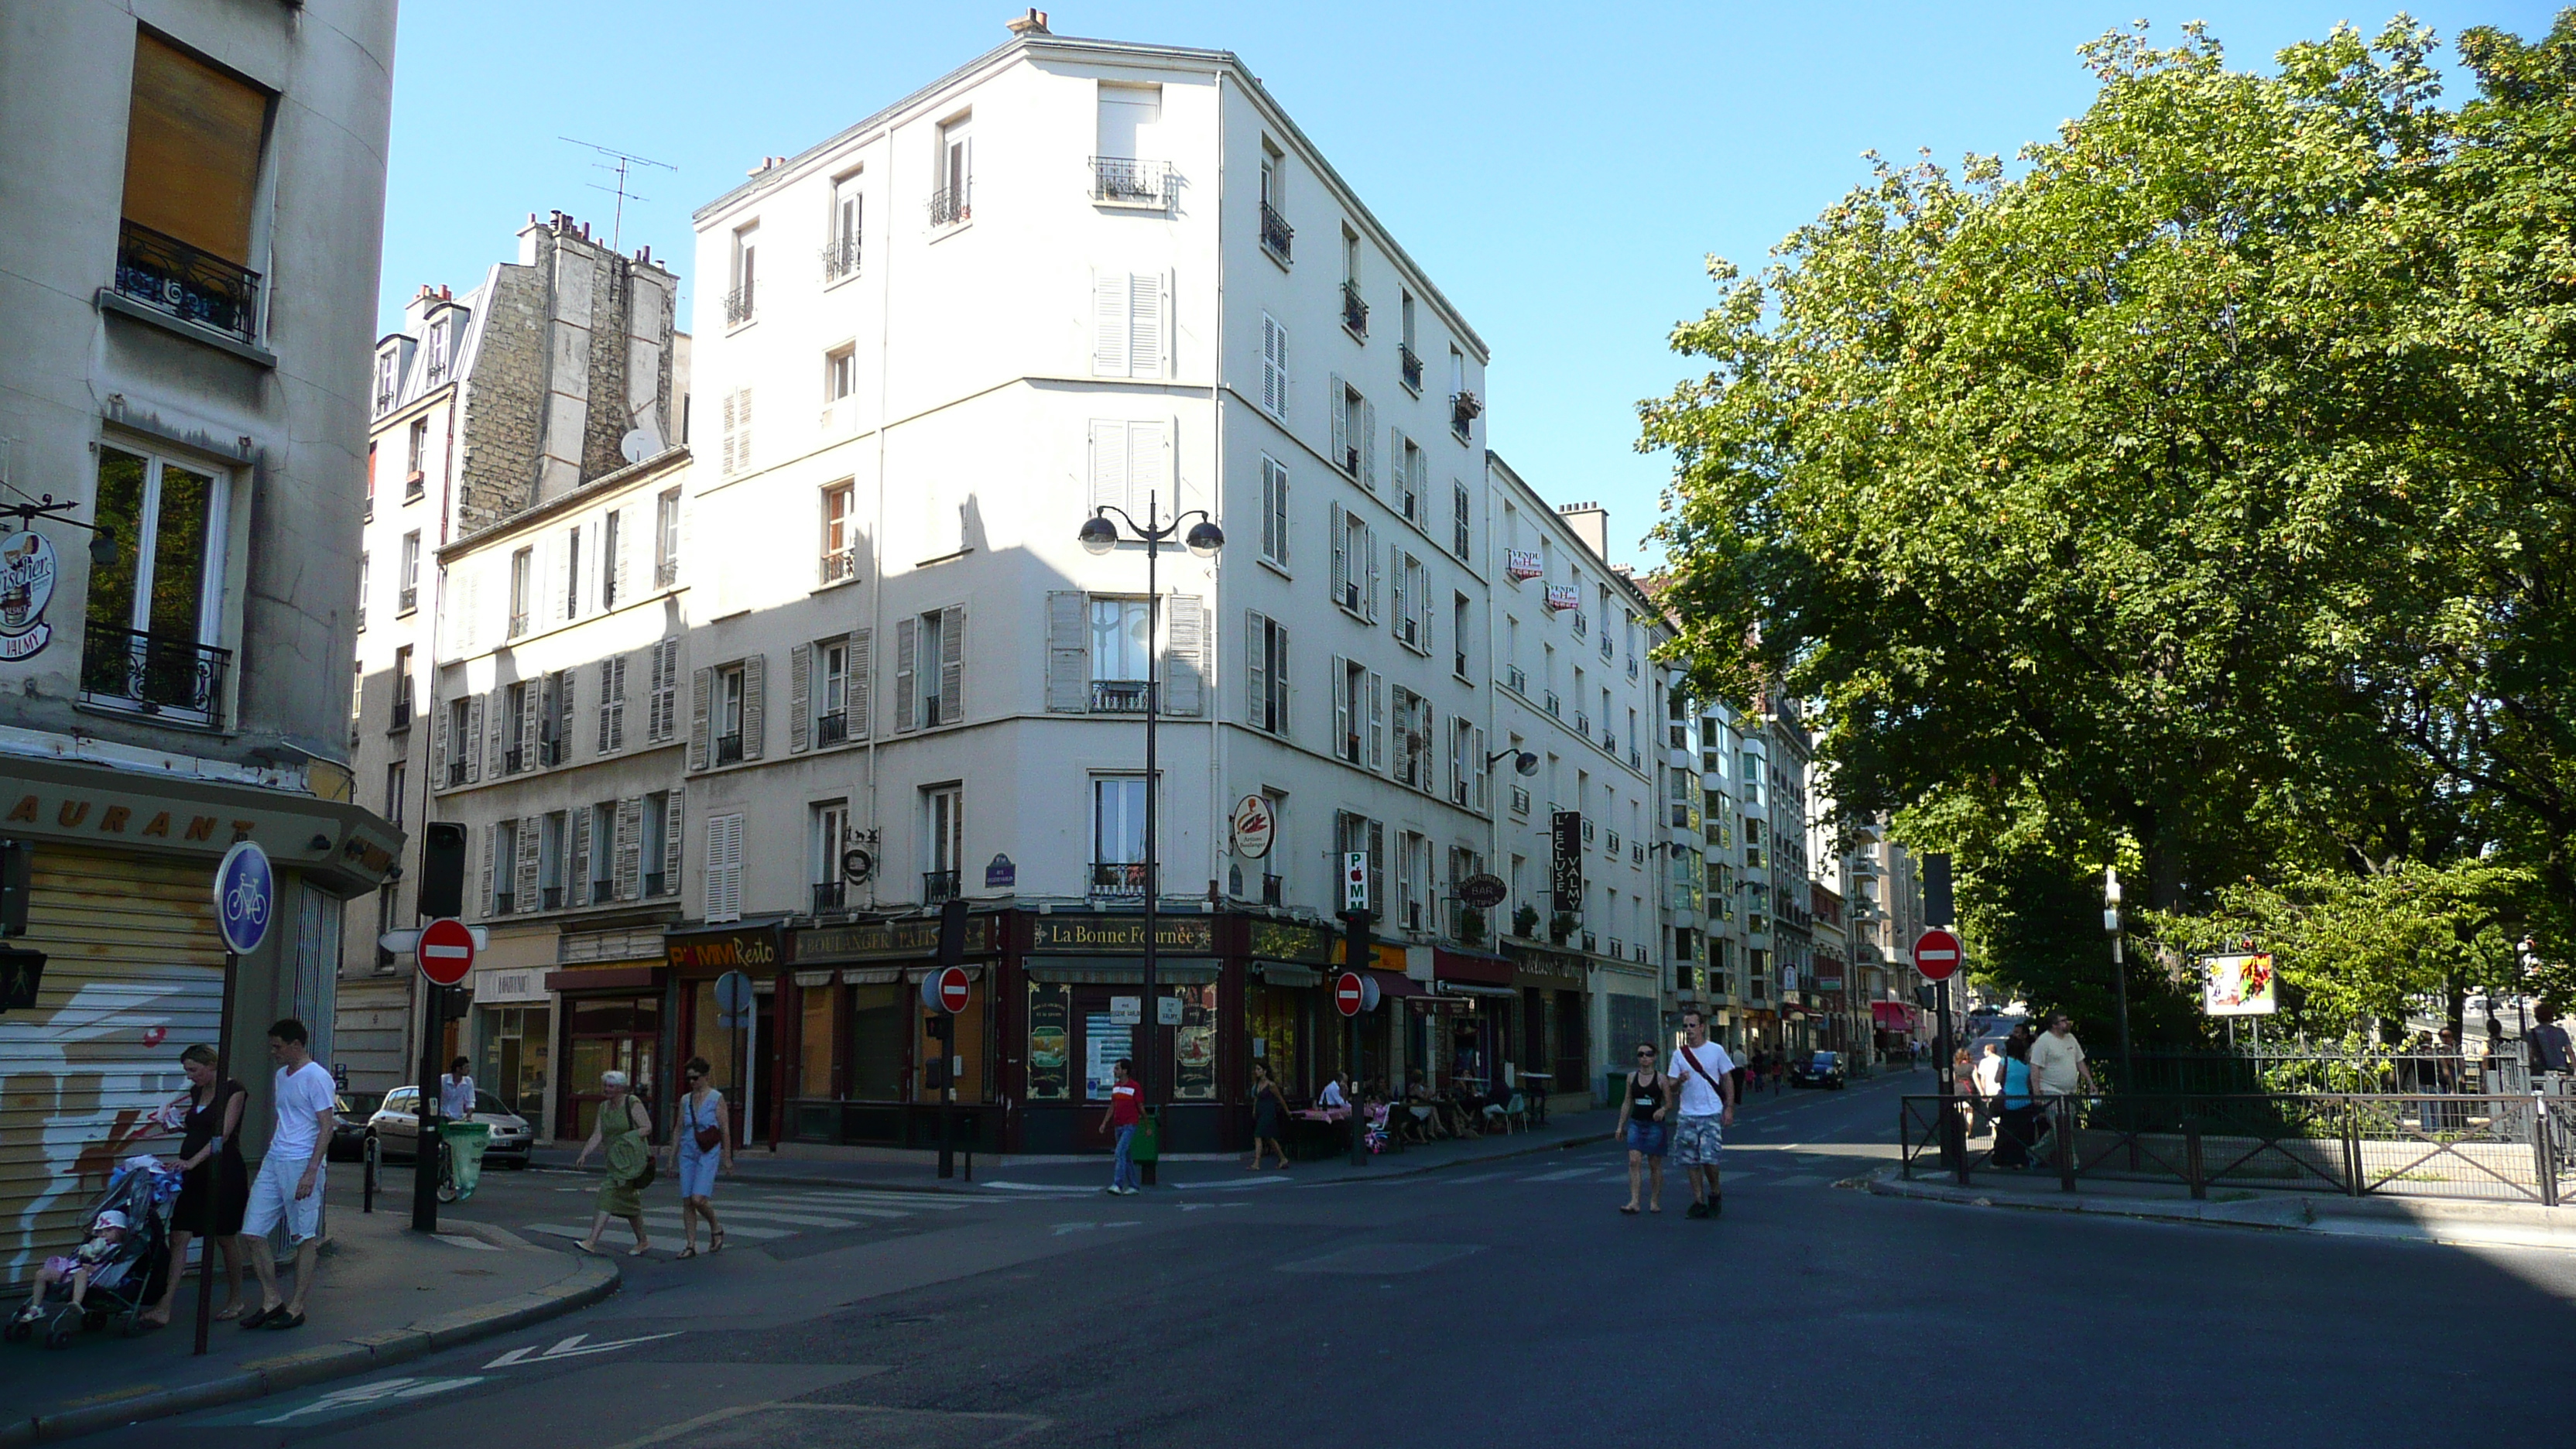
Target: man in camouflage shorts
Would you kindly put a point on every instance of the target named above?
(1704, 1073)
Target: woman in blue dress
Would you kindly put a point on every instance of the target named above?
(702, 1144)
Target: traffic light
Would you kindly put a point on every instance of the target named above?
(952, 931)
(442, 870)
(1936, 889)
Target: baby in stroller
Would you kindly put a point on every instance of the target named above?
(100, 1261)
(117, 1269)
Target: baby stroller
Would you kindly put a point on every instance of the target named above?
(126, 1281)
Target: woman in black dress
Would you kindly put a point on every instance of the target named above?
(216, 1179)
(1269, 1110)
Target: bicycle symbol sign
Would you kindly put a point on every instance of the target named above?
(245, 897)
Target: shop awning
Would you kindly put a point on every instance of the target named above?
(1462, 988)
(1396, 986)
(612, 978)
(1279, 973)
(1448, 965)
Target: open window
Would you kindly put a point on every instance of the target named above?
(194, 139)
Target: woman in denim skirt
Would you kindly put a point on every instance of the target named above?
(1644, 1104)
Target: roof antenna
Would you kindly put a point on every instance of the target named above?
(625, 162)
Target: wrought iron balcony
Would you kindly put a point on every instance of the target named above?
(176, 679)
(1514, 676)
(1351, 459)
(518, 623)
(406, 601)
(832, 729)
(504, 903)
(513, 760)
(1133, 182)
(553, 897)
(168, 275)
(950, 205)
(1613, 846)
(1591, 942)
(552, 752)
(455, 773)
(1354, 310)
(829, 895)
(938, 887)
(1553, 707)
(738, 305)
(1583, 724)
(1409, 364)
(1118, 880)
(840, 258)
(1118, 696)
(729, 749)
(840, 564)
(1464, 409)
(656, 883)
(602, 892)
(1272, 888)
(666, 572)
(1276, 233)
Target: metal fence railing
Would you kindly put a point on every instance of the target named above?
(2502, 1147)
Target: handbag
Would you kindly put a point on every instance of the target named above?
(710, 1137)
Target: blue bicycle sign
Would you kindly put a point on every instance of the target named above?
(245, 897)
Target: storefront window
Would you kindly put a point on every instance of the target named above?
(1050, 1042)
(880, 1029)
(814, 1042)
(1270, 1019)
(710, 1038)
(604, 1035)
(969, 1048)
(1105, 1043)
(514, 1057)
(1194, 1074)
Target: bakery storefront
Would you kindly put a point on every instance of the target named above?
(1081, 979)
(745, 1059)
(861, 1062)
(1289, 1022)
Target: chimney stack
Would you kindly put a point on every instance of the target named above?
(1033, 23)
(1590, 523)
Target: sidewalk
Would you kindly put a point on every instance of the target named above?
(386, 1295)
(2424, 1220)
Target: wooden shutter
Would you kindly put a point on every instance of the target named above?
(800, 687)
(1395, 464)
(474, 739)
(862, 680)
(607, 692)
(577, 876)
(907, 645)
(1377, 868)
(491, 848)
(532, 705)
(1476, 752)
(755, 696)
(704, 691)
(1336, 398)
(1185, 661)
(1344, 727)
(531, 827)
(725, 432)
(667, 692)
(672, 822)
(713, 862)
(1149, 467)
(1368, 552)
(1341, 559)
(1256, 671)
(437, 744)
(617, 702)
(1376, 720)
(1368, 445)
(1109, 304)
(1068, 662)
(952, 664)
(566, 691)
(615, 566)
(1395, 583)
(1279, 676)
(630, 847)
(1148, 312)
(1109, 465)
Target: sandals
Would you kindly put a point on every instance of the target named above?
(690, 1251)
(715, 1240)
(1630, 1210)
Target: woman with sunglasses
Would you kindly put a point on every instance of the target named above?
(703, 1143)
(1643, 1106)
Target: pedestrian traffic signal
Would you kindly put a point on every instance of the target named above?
(442, 870)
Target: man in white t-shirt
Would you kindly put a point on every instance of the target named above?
(2057, 1060)
(289, 1185)
(1702, 1071)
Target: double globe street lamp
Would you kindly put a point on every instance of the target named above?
(1099, 537)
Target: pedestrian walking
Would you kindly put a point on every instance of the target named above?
(1643, 1108)
(2057, 1066)
(703, 1144)
(214, 1185)
(289, 1186)
(1988, 1079)
(626, 1129)
(1126, 1110)
(1699, 1070)
(2549, 1045)
(1269, 1111)
(456, 1092)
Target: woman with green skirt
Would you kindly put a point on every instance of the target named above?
(627, 1129)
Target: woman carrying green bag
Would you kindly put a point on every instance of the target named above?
(627, 1129)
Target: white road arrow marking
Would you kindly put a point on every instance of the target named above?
(573, 1347)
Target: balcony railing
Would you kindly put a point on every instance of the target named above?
(1118, 696)
(1272, 890)
(176, 679)
(553, 897)
(1516, 678)
(1276, 233)
(168, 275)
(950, 205)
(1636, 761)
(518, 624)
(829, 895)
(1409, 364)
(840, 258)
(553, 752)
(602, 892)
(1553, 706)
(729, 749)
(1464, 408)
(656, 883)
(1354, 310)
(738, 305)
(1583, 724)
(839, 564)
(504, 903)
(1590, 942)
(385, 402)
(1351, 459)
(666, 572)
(513, 760)
(455, 773)
(1133, 182)
(938, 887)
(406, 601)
(1118, 880)
(1612, 847)
(401, 718)
(832, 729)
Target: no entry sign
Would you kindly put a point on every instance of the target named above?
(1937, 954)
(446, 951)
(945, 990)
(1348, 993)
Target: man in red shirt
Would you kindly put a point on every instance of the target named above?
(1126, 1109)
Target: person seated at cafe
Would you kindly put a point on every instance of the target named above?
(1422, 1111)
(1335, 1098)
(1463, 1106)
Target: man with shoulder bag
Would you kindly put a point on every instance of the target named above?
(1703, 1072)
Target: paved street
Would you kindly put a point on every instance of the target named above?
(1501, 1303)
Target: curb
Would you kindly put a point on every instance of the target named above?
(2294, 1214)
(593, 1280)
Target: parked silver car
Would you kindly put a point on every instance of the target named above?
(396, 1127)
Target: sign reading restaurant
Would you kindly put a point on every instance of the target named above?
(1122, 934)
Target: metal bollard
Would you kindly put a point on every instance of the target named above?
(2191, 1159)
(2542, 1159)
(2066, 1144)
(367, 1162)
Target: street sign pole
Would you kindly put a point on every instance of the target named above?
(444, 949)
(1355, 957)
(214, 1163)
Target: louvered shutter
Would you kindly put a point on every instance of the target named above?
(1395, 465)
(530, 828)
(1376, 720)
(567, 691)
(630, 847)
(1068, 663)
(607, 693)
(1149, 468)
(1341, 559)
(1274, 367)
(1108, 324)
(800, 686)
(674, 822)
(907, 646)
(503, 737)
(491, 848)
(1368, 551)
(1483, 767)
(616, 566)
(474, 739)
(1368, 445)
(742, 432)
(952, 664)
(617, 703)
(726, 434)
(862, 681)
(1377, 867)
(1279, 676)
(666, 691)
(1147, 304)
(1345, 729)
(532, 708)
(1109, 465)
(1256, 672)
(577, 877)
(713, 862)
(755, 699)
(1336, 399)
(438, 745)
(704, 691)
(1395, 583)
(1185, 660)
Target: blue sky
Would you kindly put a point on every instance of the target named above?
(1560, 170)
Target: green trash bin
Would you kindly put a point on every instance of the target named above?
(464, 1142)
(1147, 1143)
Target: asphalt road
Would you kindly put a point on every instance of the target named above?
(1498, 1304)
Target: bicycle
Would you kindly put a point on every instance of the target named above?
(447, 1172)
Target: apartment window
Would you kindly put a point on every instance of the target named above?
(1458, 634)
(1459, 504)
(553, 839)
(1356, 706)
(1413, 604)
(193, 142)
(462, 744)
(840, 373)
(1412, 739)
(1354, 307)
(612, 559)
(1120, 648)
(1118, 836)
(930, 668)
(840, 532)
(745, 276)
(415, 452)
(434, 345)
(1130, 331)
(841, 252)
(666, 539)
(362, 593)
(572, 573)
(953, 203)
(943, 832)
(515, 715)
(409, 598)
(1354, 563)
(1274, 367)
(831, 692)
(602, 882)
(653, 838)
(732, 689)
(523, 567)
(502, 867)
(1266, 655)
(554, 719)
(387, 364)
(1274, 511)
(154, 611)
(1412, 880)
(397, 785)
(1124, 168)
(402, 688)
(1354, 433)
(1408, 357)
(1412, 483)
(828, 827)
(1276, 233)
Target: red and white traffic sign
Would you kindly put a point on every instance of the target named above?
(1348, 994)
(446, 951)
(952, 989)
(1937, 954)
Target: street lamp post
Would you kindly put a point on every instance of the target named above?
(1099, 536)
(2119, 971)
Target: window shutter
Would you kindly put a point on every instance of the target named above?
(1185, 661)
(714, 864)
(672, 821)
(800, 695)
(491, 848)
(1344, 727)
(577, 878)
(1148, 298)
(474, 740)
(862, 680)
(1368, 551)
(1068, 678)
(607, 694)
(566, 681)
(755, 698)
(617, 702)
(666, 690)
(437, 745)
(1368, 445)
(530, 827)
(1395, 584)
(1149, 468)
(952, 664)
(1377, 720)
(1279, 676)
(1483, 767)
(1337, 399)
(1341, 559)
(616, 566)
(1256, 673)
(742, 432)
(705, 689)
(726, 433)
(1108, 324)
(1108, 464)
(1377, 867)
(907, 710)
(630, 846)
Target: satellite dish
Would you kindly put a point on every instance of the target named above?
(636, 446)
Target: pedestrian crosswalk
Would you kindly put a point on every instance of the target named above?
(1749, 1169)
(755, 1214)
